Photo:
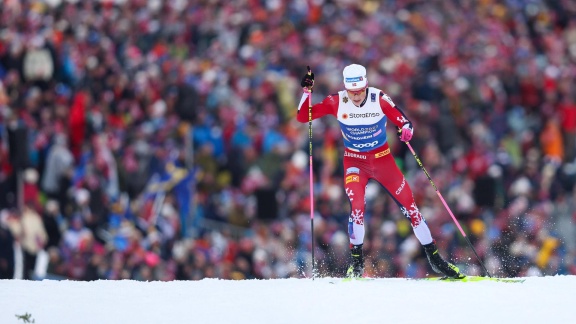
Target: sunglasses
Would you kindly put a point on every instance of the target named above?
(356, 92)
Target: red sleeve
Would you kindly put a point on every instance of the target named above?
(394, 114)
(328, 106)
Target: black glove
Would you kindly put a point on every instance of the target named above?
(308, 80)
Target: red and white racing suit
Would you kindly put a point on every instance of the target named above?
(367, 155)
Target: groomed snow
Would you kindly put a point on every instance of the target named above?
(393, 300)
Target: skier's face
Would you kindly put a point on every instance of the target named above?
(357, 95)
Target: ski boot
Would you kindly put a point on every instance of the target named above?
(440, 265)
(356, 268)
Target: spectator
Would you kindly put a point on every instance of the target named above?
(59, 161)
(33, 238)
(209, 88)
(6, 248)
(52, 218)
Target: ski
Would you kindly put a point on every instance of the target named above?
(472, 279)
(336, 280)
(445, 279)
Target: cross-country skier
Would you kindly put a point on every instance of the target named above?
(363, 112)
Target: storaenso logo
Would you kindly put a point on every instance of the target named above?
(363, 145)
(365, 115)
(354, 79)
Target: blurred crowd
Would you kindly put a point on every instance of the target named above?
(157, 140)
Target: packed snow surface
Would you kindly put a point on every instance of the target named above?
(322, 300)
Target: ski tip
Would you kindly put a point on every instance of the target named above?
(472, 279)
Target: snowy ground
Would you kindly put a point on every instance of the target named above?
(537, 300)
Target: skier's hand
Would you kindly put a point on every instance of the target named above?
(405, 133)
(308, 80)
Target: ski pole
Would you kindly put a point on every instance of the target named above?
(311, 174)
(447, 208)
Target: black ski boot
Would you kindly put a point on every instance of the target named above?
(356, 268)
(440, 265)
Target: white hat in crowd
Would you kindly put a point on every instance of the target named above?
(354, 77)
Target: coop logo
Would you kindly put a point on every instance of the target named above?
(363, 145)
(399, 190)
